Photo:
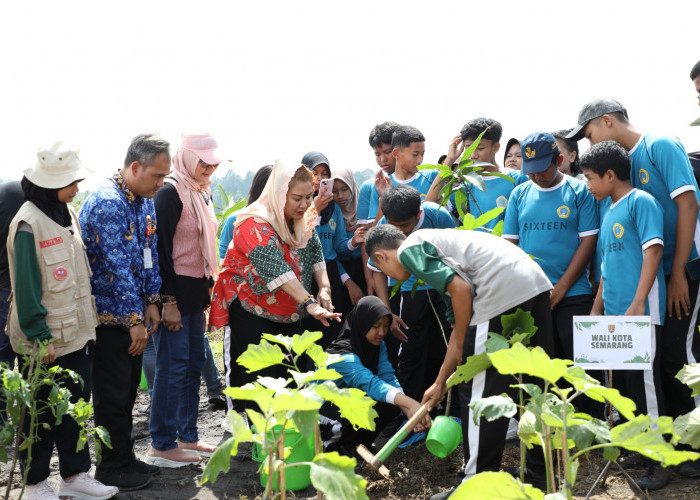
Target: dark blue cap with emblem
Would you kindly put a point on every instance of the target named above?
(538, 150)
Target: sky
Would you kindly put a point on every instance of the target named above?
(275, 79)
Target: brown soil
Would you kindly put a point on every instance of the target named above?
(415, 473)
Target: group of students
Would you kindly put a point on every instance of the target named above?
(312, 251)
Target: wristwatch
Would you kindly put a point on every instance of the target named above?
(307, 301)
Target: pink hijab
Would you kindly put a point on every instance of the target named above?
(270, 208)
(192, 195)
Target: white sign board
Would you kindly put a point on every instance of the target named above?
(613, 342)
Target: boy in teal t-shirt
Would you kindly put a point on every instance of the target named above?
(497, 189)
(632, 284)
(554, 218)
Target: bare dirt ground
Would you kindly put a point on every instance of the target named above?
(416, 474)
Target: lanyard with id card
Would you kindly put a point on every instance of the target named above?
(147, 254)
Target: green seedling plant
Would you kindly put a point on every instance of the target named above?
(548, 419)
(228, 206)
(688, 426)
(293, 403)
(468, 173)
(25, 396)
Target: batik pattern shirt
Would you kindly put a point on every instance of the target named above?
(117, 236)
(256, 267)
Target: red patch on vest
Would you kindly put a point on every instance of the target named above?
(60, 273)
(49, 243)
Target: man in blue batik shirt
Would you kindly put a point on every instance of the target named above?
(118, 224)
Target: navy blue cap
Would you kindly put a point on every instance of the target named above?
(537, 150)
(314, 158)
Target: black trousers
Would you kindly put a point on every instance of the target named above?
(392, 344)
(64, 436)
(246, 328)
(563, 338)
(644, 386)
(679, 345)
(421, 357)
(483, 443)
(338, 434)
(115, 376)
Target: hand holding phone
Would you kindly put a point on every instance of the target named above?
(326, 187)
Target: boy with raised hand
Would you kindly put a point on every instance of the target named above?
(632, 284)
(368, 196)
(480, 277)
(497, 189)
(660, 166)
(423, 346)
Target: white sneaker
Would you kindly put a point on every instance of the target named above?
(84, 487)
(40, 491)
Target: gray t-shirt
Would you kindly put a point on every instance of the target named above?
(500, 274)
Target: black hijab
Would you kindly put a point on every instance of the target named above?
(353, 334)
(46, 200)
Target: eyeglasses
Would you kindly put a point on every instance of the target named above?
(206, 166)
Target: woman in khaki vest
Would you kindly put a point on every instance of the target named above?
(52, 304)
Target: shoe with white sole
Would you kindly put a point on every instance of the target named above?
(171, 458)
(201, 448)
(40, 491)
(84, 487)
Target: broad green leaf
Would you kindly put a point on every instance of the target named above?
(500, 485)
(428, 166)
(395, 289)
(597, 392)
(474, 365)
(279, 339)
(224, 196)
(557, 495)
(518, 322)
(461, 200)
(334, 475)
(645, 436)
(220, 461)
(584, 434)
(477, 181)
(492, 408)
(353, 404)
(534, 362)
(690, 376)
(252, 392)
(304, 421)
(498, 174)
(300, 343)
(468, 222)
(321, 374)
(274, 384)
(688, 428)
(320, 357)
(258, 421)
(261, 356)
(498, 229)
(468, 152)
(488, 216)
(304, 400)
(611, 453)
(239, 429)
(496, 342)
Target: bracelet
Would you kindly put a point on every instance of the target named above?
(307, 302)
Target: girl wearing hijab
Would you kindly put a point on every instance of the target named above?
(365, 366)
(264, 285)
(52, 303)
(345, 195)
(335, 241)
(188, 262)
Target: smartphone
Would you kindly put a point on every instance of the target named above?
(326, 187)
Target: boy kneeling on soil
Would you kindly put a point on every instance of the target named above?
(481, 277)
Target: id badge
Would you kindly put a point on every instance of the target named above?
(147, 258)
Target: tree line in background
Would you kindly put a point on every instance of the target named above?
(235, 185)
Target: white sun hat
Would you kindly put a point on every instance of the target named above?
(57, 166)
